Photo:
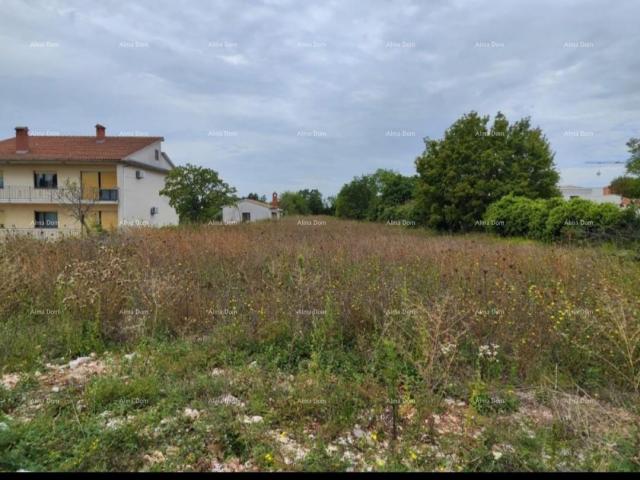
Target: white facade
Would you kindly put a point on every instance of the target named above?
(596, 194)
(247, 210)
(140, 180)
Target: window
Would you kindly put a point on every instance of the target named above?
(1, 179)
(45, 180)
(1, 218)
(246, 216)
(157, 154)
(274, 215)
(46, 220)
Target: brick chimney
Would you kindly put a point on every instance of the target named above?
(274, 200)
(22, 139)
(101, 133)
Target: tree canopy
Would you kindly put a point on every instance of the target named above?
(375, 196)
(304, 202)
(629, 184)
(197, 193)
(476, 164)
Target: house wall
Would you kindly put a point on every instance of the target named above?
(233, 213)
(22, 175)
(138, 196)
(147, 156)
(596, 194)
(21, 218)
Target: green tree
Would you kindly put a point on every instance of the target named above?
(293, 203)
(313, 199)
(197, 193)
(629, 184)
(255, 196)
(377, 196)
(357, 198)
(475, 164)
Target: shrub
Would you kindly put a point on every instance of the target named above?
(554, 219)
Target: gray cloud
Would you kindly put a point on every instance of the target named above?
(285, 95)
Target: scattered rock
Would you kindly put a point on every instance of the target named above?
(154, 458)
(217, 372)
(230, 465)
(331, 449)
(291, 450)
(252, 419)
(130, 356)
(358, 432)
(191, 413)
(10, 380)
(73, 364)
(114, 423)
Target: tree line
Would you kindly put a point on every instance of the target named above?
(459, 179)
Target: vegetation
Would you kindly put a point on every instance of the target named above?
(197, 193)
(480, 164)
(78, 204)
(629, 185)
(304, 202)
(557, 219)
(382, 196)
(326, 346)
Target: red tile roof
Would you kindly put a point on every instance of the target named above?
(75, 148)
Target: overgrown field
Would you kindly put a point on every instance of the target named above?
(315, 344)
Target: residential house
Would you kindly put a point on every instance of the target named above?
(118, 177)
(595, 194)
(248, 210)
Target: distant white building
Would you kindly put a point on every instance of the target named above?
(247, 210)
(595, 194)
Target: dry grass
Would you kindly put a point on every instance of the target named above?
(437, 298)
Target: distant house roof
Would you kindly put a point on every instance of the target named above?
(81, 148)
(256, 202)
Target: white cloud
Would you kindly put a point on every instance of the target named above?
(352, 69)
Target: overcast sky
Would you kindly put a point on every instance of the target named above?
(279, 95)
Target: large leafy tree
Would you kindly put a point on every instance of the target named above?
(356, 199)
(313, 199)
(476, 164)
(304, 202)
(197, 193)
(629, 185)
(293, 203)
(367, 197)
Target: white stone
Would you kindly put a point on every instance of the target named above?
(252, 419)
(79, 361)
(191, 413)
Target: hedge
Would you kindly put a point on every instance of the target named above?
(555, 218)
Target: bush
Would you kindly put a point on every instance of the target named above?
(555, 219)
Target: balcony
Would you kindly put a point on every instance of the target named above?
(24, 194)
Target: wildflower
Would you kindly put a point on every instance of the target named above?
(374, 436)
(268, 457)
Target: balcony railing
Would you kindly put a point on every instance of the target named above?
(24, 194)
